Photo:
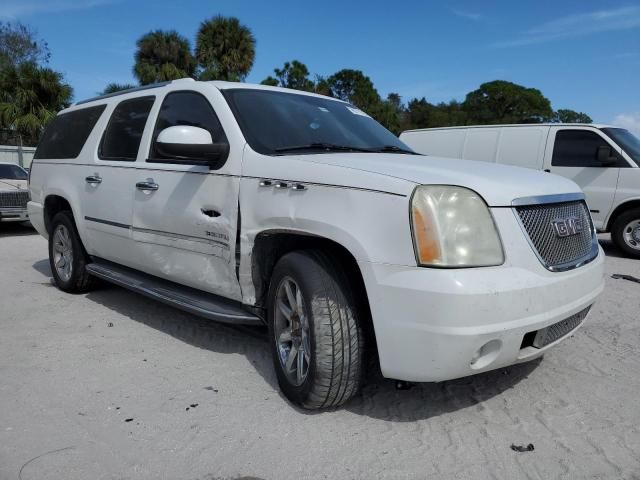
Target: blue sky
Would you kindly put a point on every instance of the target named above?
(583, 55)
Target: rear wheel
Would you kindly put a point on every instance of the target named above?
(316, 339)
(625, 233)
(67, 256)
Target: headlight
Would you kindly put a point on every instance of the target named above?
(453, 227)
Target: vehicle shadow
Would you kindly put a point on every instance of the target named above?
(381, 400)
(16, 229)
(379, 397)
(250, 341)
(609, 247)
(44, 267)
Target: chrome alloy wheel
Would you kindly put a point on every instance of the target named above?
(631, 234)
(291, 329)
(62, 252)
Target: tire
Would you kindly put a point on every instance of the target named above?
(67, 256)
(625, 233)
(334, 344)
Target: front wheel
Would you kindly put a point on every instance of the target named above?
(625, 233)
(316, 339)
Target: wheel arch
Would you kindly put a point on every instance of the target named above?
(620, 209)
(53, 204)
(270, 245)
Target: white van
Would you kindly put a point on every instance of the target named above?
(602, 159)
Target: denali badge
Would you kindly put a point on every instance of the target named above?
(565, 227)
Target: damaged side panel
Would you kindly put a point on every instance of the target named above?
(186, 230)
(357, 219)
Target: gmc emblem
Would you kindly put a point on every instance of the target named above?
(565, 227)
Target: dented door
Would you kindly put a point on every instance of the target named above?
(185, 231)
(185, 216)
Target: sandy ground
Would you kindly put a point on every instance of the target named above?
(203, 400)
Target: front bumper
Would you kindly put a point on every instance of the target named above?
(437, 324)
(13, 214)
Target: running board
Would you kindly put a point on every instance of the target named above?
(190, 300)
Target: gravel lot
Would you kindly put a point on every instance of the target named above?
(110, 385)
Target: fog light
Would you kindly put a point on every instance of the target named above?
(486, 354)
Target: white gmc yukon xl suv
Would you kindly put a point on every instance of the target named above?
(252, 204)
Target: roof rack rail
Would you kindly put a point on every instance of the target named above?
(130, 90)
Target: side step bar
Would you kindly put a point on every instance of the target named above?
(184, 298)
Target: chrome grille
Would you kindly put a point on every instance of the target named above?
(558, 330)
(556, 252)
(17, 199)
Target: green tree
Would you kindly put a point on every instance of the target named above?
(163, 55)
(294, 75)
(419, 113)
(391, 113)
(30, 96)
(422, 114)
(271, 81)
(19, 44)
(447, 114)
(225, 49)
(565, 115)
(322, 86)
(116, 87)
(505, 102)
(354, 87)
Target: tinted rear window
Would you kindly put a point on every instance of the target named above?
(66, 134)
(122, 137)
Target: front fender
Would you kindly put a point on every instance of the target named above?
(372, 226)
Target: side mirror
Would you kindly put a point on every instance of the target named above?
(191, 145)
(605, 157)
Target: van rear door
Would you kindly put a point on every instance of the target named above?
(573, 153)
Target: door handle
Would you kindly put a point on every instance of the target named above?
(210, 213)
(148, 185)
(93, 179)
(547, 170)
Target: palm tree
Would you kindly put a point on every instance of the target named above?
(114, 87)
(163, 56)
(225, 49)
(30, 96)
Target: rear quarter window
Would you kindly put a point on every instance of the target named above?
(66, 134)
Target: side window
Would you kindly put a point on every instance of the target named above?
(121, 139)
(66, 134)
(187, 108)
(576, 148)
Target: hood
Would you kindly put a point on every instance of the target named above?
(497, 184)
(6, 184)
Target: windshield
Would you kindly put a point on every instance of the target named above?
(279, 123)
(12, 172)
(627, 140)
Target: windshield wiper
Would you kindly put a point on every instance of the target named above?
(329, 147)
(393, 149)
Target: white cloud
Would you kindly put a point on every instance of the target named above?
(467, 15)
(11, 9)
(630, 121)
(579, 25)
(625, 55)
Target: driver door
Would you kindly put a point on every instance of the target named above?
(185, 216)
(574, 155)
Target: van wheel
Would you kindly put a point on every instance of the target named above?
(67, 256)
(626, 233)
(315, 336)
